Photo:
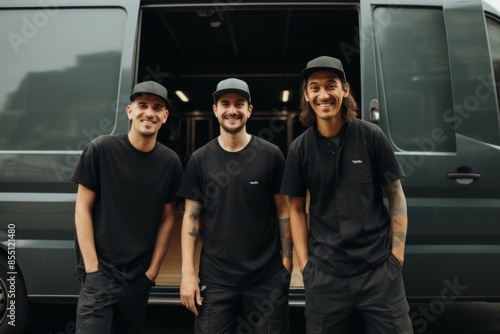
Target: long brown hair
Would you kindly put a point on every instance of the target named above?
(348, 109)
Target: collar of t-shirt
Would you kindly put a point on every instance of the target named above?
(333, 142)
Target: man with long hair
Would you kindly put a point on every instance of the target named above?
(351, 253)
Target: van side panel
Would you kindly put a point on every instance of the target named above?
(439, 110)
(65, 82)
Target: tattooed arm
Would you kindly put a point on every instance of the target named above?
(282, 210)
(399, 218)
(191, 222)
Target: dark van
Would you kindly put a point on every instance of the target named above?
(426, 71)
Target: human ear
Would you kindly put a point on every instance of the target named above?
(346, 90)
(129, 112)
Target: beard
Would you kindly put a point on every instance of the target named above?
(232, 130)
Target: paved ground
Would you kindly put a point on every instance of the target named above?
(428, 318)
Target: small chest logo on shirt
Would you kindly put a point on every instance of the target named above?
(254, 182)
(357, 161)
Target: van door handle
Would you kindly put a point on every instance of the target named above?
(464, 175)
(374, 112)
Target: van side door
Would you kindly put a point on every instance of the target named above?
(429, 75)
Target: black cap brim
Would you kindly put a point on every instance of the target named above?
(136, 95)
(307, 72)
(221, 92)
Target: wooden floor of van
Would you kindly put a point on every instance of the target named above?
(170, 272)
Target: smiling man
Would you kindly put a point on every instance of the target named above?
(351, 253)
(246, 256)
(124, 216)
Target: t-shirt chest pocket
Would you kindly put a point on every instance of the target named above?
(255, 191)
(360, 170)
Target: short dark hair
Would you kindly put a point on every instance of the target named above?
(349, 108)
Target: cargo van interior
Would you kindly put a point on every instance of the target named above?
(191, 49)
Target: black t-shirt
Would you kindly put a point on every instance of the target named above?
(349, 223)
(240, 233)
(131, 189)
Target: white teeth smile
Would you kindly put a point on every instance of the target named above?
(325, 104)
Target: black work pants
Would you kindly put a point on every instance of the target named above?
(377, 294)
(110, 305)
(257, 310)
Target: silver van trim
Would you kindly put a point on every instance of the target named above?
(41, 152)
(37, 197)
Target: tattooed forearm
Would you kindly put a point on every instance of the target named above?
(284, 226)
(398, 230)
(398, 238)
(194, 214)
(396, 197)
(287, 248)
(195, 234)
(398, 213)
(398, 209)
(286, 238)
(194, 211)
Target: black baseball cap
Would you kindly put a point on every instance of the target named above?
(232, 85)
(150, 87)
(324, 63)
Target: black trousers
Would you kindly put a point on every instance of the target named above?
(110, 305)
(257, 310)
(377, 294)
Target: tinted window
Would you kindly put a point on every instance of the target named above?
(415, 78)
(60, 72)
(494, 38)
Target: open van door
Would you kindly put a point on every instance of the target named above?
(428, 75)
(66, 78)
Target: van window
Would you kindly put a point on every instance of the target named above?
(494, 40)
(416, 77)
(60, 75)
